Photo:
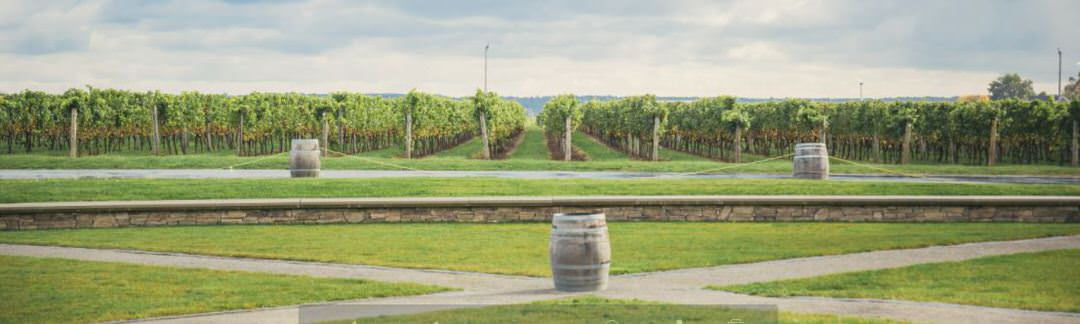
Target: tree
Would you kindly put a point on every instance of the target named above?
(1072, 89)
(484, 103)
(1011, 85)
(560, 116)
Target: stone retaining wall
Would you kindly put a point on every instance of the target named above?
(678, 208)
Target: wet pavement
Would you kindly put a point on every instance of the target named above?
(368, 174)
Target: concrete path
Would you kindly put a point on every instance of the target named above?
(369, 174)
(823, 265)
(470, 281)
(678, 286)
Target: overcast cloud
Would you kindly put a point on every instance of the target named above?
(677, 48)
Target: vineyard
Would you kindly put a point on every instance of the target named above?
(101, 121)
(968, 132)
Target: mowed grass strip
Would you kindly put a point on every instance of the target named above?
(601, 159)
(590, 309)
(14, 191)
(1044, 281)
(532, 146)
(522, 248)
(595, 150)
(469, 149)
(40, 290)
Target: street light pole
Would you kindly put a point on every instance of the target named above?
(1059, 72)
(486, 46)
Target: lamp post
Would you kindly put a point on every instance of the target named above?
(1059, 72)
(486, 46)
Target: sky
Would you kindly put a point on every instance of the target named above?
(624, 47)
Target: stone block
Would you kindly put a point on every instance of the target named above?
(742, 213)
(52, 221)
(723, 213)
(355, 215)
(532, 214)
(26, 222)
(689, 213)
(483, 214)
(621, 213)
(981, 213)
(139, 218)
(105, 220)
(792, 213)
(821, 213)
(654, 213)
(84, 221)
(766, 211)
(233, 217)
(207, 217)
(507, 214)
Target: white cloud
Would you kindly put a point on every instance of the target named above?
(746, 48)
(758, 51)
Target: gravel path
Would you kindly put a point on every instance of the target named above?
(367, 174)
(678, 286)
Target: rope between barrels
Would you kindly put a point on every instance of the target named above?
(727, 167)
(374, 161)
(252, 161)
(911, 175)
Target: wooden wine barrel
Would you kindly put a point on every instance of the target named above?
(304, 158)
(580, 252)
(811, 161)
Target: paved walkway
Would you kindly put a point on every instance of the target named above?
(679, 286)
(368, 174)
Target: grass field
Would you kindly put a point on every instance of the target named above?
(1040, 281)
(532, 146)
(13, 191)
(37, 290)
(601, 159)
(464, 151)
(596, 150)
(522, 248)
(597, 310)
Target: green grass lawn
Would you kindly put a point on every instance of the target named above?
(673, 155)
(595, 150)
(464, 151)
(38, 290)
(388, 153)
(12, 191)
(598, 310)
(532, 146)
(522, 248)
(602, 159)
(1039, 281)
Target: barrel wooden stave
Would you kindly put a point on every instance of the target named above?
(811, 161)
(304, 158)
(580, 252)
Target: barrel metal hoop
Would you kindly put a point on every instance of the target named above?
(579, 231)
(601, 265)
